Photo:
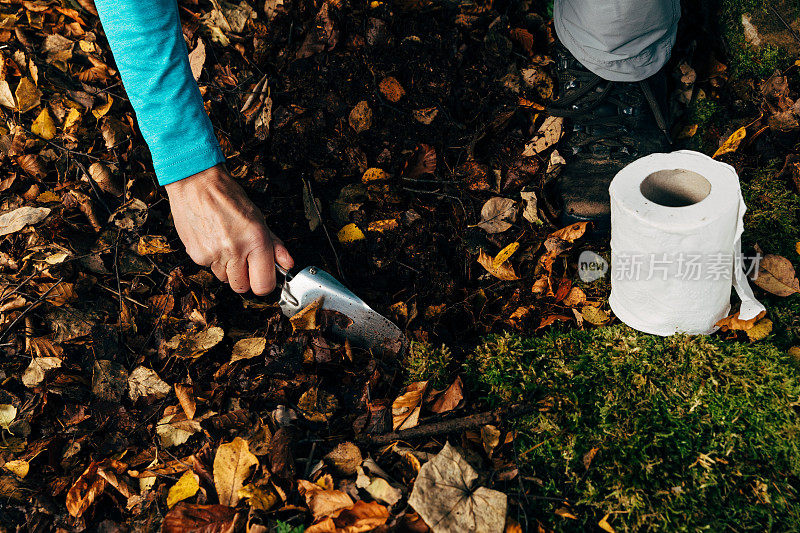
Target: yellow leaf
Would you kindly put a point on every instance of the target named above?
(28, 95)
(153, 244)
(374, 174)
(43, 126)
(317, 405)
(794, 351)
(797, 247)
(306, 318)
(504, 254)
(688, 132)
(72, 118)
(18, 467)
(47, 197)
(760, 330)
(732, 143)
(86, 46)
(350, 233)
(100, 111)
(233, 463)
(505, 271)
(258, 497)
(564, 513)
(594, 315)
(186, 487)
(604, 525)
(382, 225)
(361, 117)
(248, 348)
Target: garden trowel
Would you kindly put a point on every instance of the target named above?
(350, 317)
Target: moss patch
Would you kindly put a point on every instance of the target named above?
(746, 59)
(424, 362)
(692, 432)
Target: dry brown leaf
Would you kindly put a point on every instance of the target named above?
(595, 315)
(84, 491)
(447, 498)
(450, 398)
(322, 503)
(186, 517)
(233, 463)
(549, 133)
(185, 394)
(35, 373)
(28, 95)
(6, 96)
(490, 438)
(575, 297)
(32, 165)
(153, 244)
(197, 59)
(321, 35)
(317, 405)
(196, 344)
(20, 217)
(306, 318)
(498, 214)
(425, 115)
(406, 408)
(391, 89)
(358, 518)
(733, 322)
(375, 174)
(504, 271)
(776, 275)
(144, 382)
(345, 458)
(421, 162)
(361, 117)
(248, 348)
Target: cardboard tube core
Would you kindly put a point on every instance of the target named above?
(675, 187)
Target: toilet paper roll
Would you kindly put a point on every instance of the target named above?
(676, 227)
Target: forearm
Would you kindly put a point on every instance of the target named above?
(148, 46)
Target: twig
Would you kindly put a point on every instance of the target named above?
(449, 426)
(788, 26)
(29, 309)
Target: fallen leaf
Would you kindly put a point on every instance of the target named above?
(450, 398)
(174, 430)
(530, 211)
(153, 244)
(391, 89)
(382, 490)
(37, 369)
(196, 344)
(18, 467)
(186, 517)
(361, 116)
(604, 525)
(185, 394)
(490, 438)
(317, 405)
(6, 96)
(233, 463)
(421, 162)
(143, 382)
(103, 109)
(594, 315)
(504, 254)
(732, 143)
(350, 233)
(43, 126)
(375, 174)
(271, 8)
(259, 498)
(84, 491)
(186, 487)
(447, 498)
(382, 225)
(775, 275)
(406, 408)
(425, 115)
(549, 133)
(760, 330)
(20, 217)
(321, 35)
(28, 95)
(306, 318)
(498, 214)
(197, 59)
(311, 207)
(575, 297)
(504, 271)
(7, 415)
(322, 503)
(248, 348)
(733, 322)
(359, 517)
(345, 458)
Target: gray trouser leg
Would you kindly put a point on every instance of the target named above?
(619, 40)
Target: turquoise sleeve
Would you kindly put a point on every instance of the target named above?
(148, 46)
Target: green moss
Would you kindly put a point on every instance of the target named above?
(692, 433)
(746, 60)
(703, 111)
(423, 362)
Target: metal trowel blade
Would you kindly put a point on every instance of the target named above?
(359, 323)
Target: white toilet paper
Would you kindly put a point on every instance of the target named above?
(676, 227)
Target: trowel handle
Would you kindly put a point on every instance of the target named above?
(285, 273)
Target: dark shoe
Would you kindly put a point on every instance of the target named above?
(607, 125)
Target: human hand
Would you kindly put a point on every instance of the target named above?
(223, 229)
